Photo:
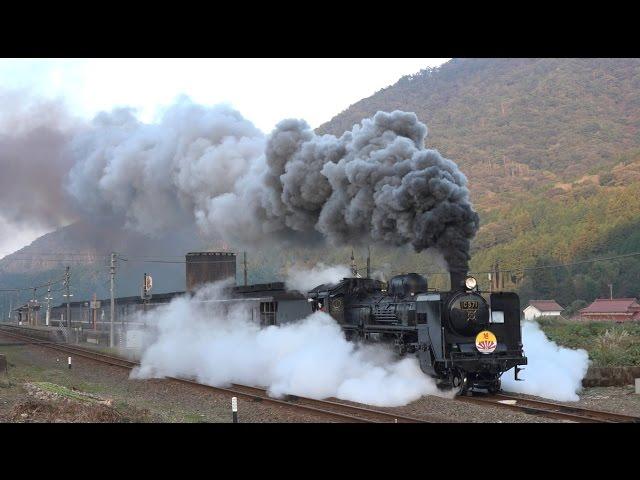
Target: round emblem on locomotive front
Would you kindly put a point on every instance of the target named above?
(486, 342)
(336, 305)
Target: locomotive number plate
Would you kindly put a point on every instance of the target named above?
(486, 342)
(469, 305)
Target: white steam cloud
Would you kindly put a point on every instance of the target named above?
(303, 279)
(553, 371)
(34, 136)
(198, 338)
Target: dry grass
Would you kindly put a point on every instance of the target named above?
(50, 411)
(51, 403)
(612, 339)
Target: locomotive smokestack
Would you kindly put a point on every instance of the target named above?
(457, 279)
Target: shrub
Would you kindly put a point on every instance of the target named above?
(608, 344)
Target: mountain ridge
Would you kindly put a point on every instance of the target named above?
(551, 148)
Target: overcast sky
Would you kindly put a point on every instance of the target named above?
(264, 90)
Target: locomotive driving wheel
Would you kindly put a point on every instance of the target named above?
(495, 387)
(459, 382)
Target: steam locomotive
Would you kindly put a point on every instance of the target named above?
(464, 338)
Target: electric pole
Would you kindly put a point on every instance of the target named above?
(245, 268)
(32, 317)
(67, 286)
(354, 268)
(368, 261)
(112, 273)
(48, 298)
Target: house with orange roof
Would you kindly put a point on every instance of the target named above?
(616, 310)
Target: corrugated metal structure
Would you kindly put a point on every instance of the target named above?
(95, 323)
(270, 303)
(207, 267)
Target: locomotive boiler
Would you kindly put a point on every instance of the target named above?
(464, 338)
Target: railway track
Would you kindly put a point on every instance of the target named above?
(350, 413)
(548, 409)
(326, 408)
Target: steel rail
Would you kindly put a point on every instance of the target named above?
(385, 416)
(549, 409)
(346, 412)
(600, 415)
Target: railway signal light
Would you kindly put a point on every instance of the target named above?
(147, 284)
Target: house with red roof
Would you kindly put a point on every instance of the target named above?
(542, 308)
(616, 309)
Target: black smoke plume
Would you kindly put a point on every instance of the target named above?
(378, 183)
(375, 184)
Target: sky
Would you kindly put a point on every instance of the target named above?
(264, 90)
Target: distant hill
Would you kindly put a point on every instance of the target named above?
(551, 148)
(518, 123)
(85, 247)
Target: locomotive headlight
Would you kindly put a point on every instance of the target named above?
(470, 283)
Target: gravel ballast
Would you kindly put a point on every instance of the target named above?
(170, 401)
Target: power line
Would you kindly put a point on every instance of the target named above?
(540, 267)
(140, 260)
(52, 260)
(49, 283)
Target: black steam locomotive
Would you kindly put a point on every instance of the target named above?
(463, 339)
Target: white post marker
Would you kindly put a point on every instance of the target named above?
(638, 386)
(69, 361)
(234, 409)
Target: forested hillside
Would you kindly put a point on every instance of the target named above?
(551, 148)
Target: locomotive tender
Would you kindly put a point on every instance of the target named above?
(461, 338)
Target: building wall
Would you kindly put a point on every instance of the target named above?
(531, 312)
(612, 317)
